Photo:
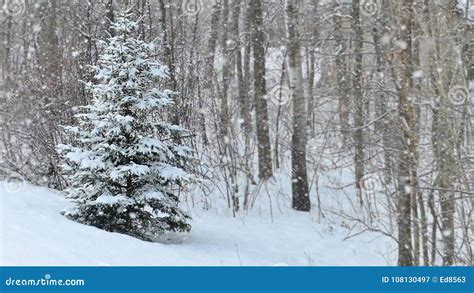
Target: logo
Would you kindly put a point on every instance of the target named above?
(191, 7)
(280, 95)
(15, 183)
(371, 183)
(369, 7)
(14, 7)
(458, 95)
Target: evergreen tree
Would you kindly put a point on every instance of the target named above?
(125, 164)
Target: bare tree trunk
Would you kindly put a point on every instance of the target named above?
(224, 111)
(343, 89)
(261, 109)
(109, 6)
(301, 200)
(7, 68)
(166, 39)
(51, 91)
(381, 97)
(244, 106)
(445, 138)
(407, 184)
(225, 131)
(209, 64)
(245, 122)
(358, 99)
(278, 118)
(310, 69)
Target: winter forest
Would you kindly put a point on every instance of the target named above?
(237, 132)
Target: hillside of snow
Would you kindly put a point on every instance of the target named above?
(33, 232)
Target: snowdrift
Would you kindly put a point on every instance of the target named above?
(34, 233)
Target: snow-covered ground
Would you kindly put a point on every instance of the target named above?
(33, 232)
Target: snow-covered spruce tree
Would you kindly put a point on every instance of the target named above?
(125, 165)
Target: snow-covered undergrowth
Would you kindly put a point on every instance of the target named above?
(33, 232)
